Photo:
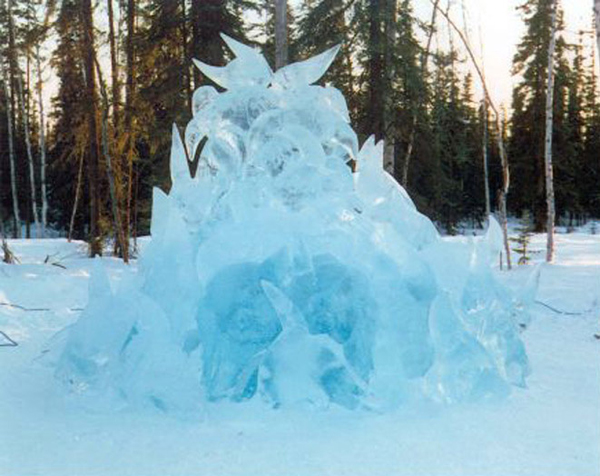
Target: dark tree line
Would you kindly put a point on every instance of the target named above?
(106, 137)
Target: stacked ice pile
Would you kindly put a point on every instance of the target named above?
(278, 273)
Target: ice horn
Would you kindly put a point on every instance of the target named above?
(306, 72)
(218, 74)
(237, 48)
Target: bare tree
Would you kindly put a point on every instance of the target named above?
(24, 114)
(499, 125)
(42, 139)
(548, 143)
(389, 110)
(76, 201)
(484, 138)
(129, 127)
(114, 67)
(87, 49)
(484, 156)
(281, 34)
(32, 184)
(110, 173)
(413, 129)
(11, 155)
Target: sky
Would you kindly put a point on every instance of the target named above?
(496, 24)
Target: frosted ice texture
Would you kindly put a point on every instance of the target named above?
(278, 273)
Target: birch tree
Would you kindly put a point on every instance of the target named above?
(548, 143)
(42, 138)
(499, 125)
(484, 156)
(32, 184)
(389, 125)
(11, 155)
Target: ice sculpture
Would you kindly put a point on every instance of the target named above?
(276, 272)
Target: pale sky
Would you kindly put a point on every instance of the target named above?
(501, 30)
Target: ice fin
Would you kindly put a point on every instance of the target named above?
(218, 74)
(305, 72)
(494, 236)
(367, 149)
(238, 49)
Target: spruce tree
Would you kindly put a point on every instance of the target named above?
(324, 24)
(526, 148)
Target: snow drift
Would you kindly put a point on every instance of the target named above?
(278, 273)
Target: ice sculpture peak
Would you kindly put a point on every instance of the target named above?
(249, 68)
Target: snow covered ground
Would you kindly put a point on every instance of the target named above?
(550, 428)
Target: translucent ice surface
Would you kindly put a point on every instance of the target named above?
(291, 268)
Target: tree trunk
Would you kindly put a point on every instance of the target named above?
(186, 56)
(484, 145)
(87, 46)
(389, 126)
(281, 34)
(548, 145)
(376, 69)
(129, 126)
(503, 192)
(116, 104)
(413, 129)
(597, 12)
(42, 140)
(76, 201)
(11, 155)
(32, 186)
(114, 66)
(110, 173)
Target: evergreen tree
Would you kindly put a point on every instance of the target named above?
(567, 167)
(590, 160)
(69, 133)
(526, 149)
(324, 24)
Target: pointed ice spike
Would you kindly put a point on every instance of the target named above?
(99, 284)
(217, 74)
(179, 166)
(493, 235)
(365, 152)
(237, 48)
(305, 72)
